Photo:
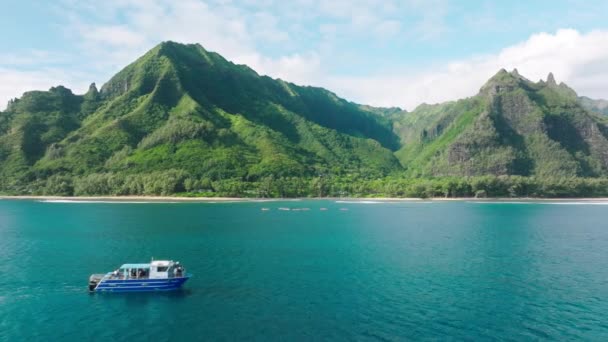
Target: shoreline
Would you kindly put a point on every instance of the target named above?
(153, 199)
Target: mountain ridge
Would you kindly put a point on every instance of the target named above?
(506, 129)
(192, 118)
(180, 107)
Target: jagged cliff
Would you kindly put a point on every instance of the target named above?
(512, 126)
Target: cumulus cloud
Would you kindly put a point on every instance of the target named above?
(113, 35)
(115, 32)
(580, 60)
(16, 82)
(31, 58)
(37, 70)
(220, 27)
(296, 68)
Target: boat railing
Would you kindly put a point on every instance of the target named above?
(121, 276)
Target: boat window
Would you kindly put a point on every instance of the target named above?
(162, 269)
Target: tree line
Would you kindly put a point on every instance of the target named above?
(181, 183)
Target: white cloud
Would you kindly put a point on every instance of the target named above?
(296, 68)
(113, 35)
(222, 28)
(115, 32)
(580, 60)
(267, 28)
(16, 82)
(31, 58)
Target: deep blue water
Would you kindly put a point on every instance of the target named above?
(391, 271)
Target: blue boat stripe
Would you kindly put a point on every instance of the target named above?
(162, 281)
(138, 289)
(140, 285)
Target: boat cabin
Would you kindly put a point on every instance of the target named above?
(133, 271)
(157, 269)
(160, 269)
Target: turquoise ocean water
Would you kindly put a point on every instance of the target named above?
(377, 271)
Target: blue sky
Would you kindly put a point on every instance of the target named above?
(381, 52)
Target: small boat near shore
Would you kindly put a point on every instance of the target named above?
(158, 275)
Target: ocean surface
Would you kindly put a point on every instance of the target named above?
(356, 271)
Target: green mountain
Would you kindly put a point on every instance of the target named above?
(511, 127)
(183, 119)
(180, 107)
(597, 106)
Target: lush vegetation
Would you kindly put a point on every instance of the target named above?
(183, 120)
(179, 182)
(180, 107)
(512, 127)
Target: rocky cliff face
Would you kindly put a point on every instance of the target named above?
(513, 126)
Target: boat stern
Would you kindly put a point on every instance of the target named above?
(94, 280)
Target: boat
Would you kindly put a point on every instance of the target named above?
(158, 275)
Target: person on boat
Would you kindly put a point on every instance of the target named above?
(115, 273)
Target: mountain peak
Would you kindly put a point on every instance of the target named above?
(92, 89)
(551, 79)
(562, 88)
(501, 81)
(169, 49)
(515, 72)
(169, 44)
